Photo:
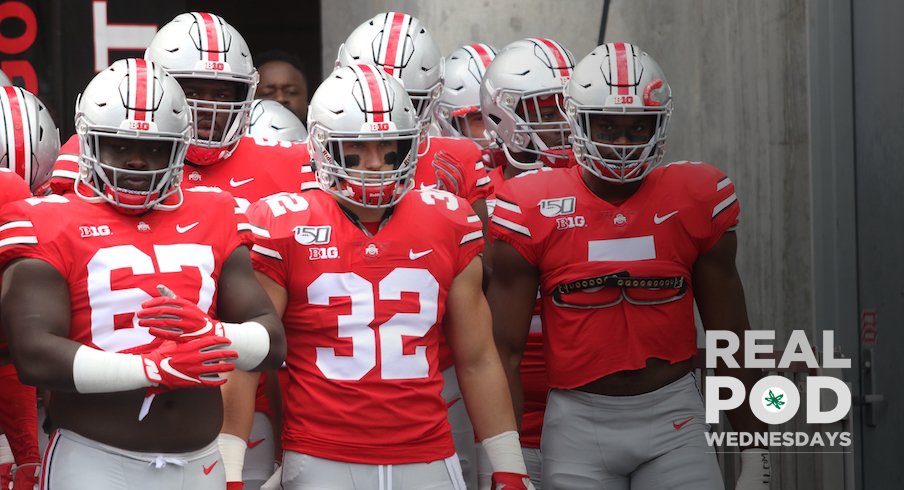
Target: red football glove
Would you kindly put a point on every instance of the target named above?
(26, 477)
(448, 175)
(511, 481)
(235, 485)
(172, 318)
(196, 363)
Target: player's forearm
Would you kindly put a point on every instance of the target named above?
(260, 342)
(46, 362)
(486, 395)
(239, 395)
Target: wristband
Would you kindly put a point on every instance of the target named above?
(504, 453)
(96, 371)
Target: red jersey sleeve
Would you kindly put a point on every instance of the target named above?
(714, 198)
(12, 187)
(479, 184)
(267, 253)
(24, 234)
(515, 219)
(65, 169)
(468, 231)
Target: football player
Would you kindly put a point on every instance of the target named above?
(521, 106)
(211, 61)
(621, 249)
(457, 111)
(29, 142)
(366, 271)
(404, 48)
(128, 297)
(283, 80)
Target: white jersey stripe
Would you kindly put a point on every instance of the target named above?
(728, 201)
(510, 225)
(723, 184)
(16, 224)
(19, 240)
(273, 254)
(470, 237)
(508, 206)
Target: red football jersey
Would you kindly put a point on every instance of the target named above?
(113, 262)
(469, 173)
(363, 321)
(257, 168)
(557, 224)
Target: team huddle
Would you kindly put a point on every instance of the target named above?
(468, 272)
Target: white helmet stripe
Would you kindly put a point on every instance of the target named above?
(392, 44)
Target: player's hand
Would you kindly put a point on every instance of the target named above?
(511, 481)
(448, 175)
(172, 318)
(196, 363)
(756, 470)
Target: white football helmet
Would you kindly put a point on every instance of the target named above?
(4, 80)
(520, 88)
(362, 103)
(400, 45)
(272, 120)
(618, 79)
(29, 139)
(199, 45)
(465, 68)
(132, 99)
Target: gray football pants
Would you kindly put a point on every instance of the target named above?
(73, 462)
(652, 441)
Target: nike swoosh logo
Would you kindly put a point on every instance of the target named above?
(678, 425)
(453, 402)
(416, 255)
(254, 444)
(237, 183)
(165, 366)
(183, 229)
(659, 219)
(208, 469)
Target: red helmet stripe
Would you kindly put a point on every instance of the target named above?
(558, 52)
(140, 107)
(376, 95)
(15, 131)
(392, 52)
(484, 53)
(213, 37)
(621, 63)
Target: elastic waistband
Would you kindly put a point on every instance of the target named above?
(148, 457)
(682, 384)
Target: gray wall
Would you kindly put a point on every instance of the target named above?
(457, 22)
